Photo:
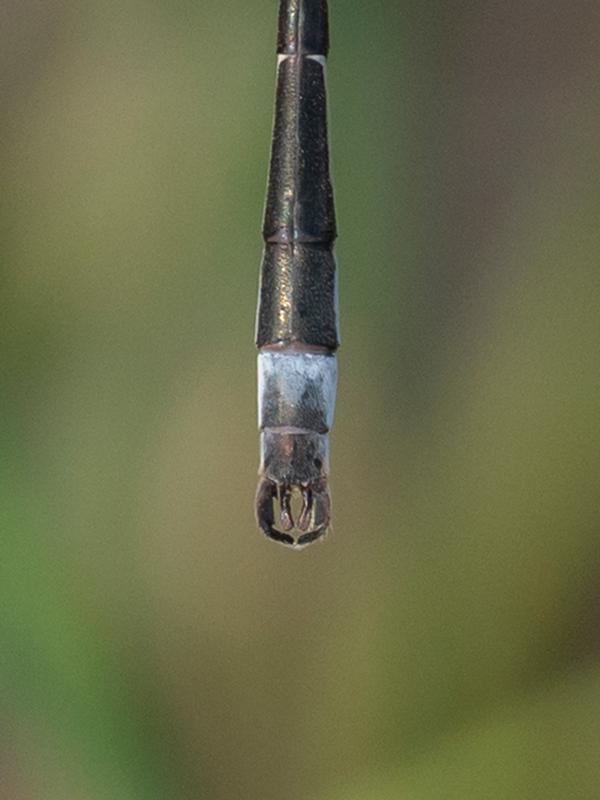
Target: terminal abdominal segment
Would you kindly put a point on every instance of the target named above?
(296, 397)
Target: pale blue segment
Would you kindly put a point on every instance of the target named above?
(296, 373)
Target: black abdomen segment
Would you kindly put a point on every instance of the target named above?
(303, 27)
(297, 296)
(300, 198)
(297, 302)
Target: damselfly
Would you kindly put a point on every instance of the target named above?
(296, 328)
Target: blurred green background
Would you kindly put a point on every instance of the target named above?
(444, 641)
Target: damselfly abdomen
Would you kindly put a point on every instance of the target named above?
(297, 310)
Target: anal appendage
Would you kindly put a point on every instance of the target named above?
(313, 521)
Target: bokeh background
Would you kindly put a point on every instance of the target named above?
(444, 641)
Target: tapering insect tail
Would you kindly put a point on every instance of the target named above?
(297, 312)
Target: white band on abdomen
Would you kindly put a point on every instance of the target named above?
(296, 390)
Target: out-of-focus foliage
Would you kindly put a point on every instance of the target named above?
(443, 642)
